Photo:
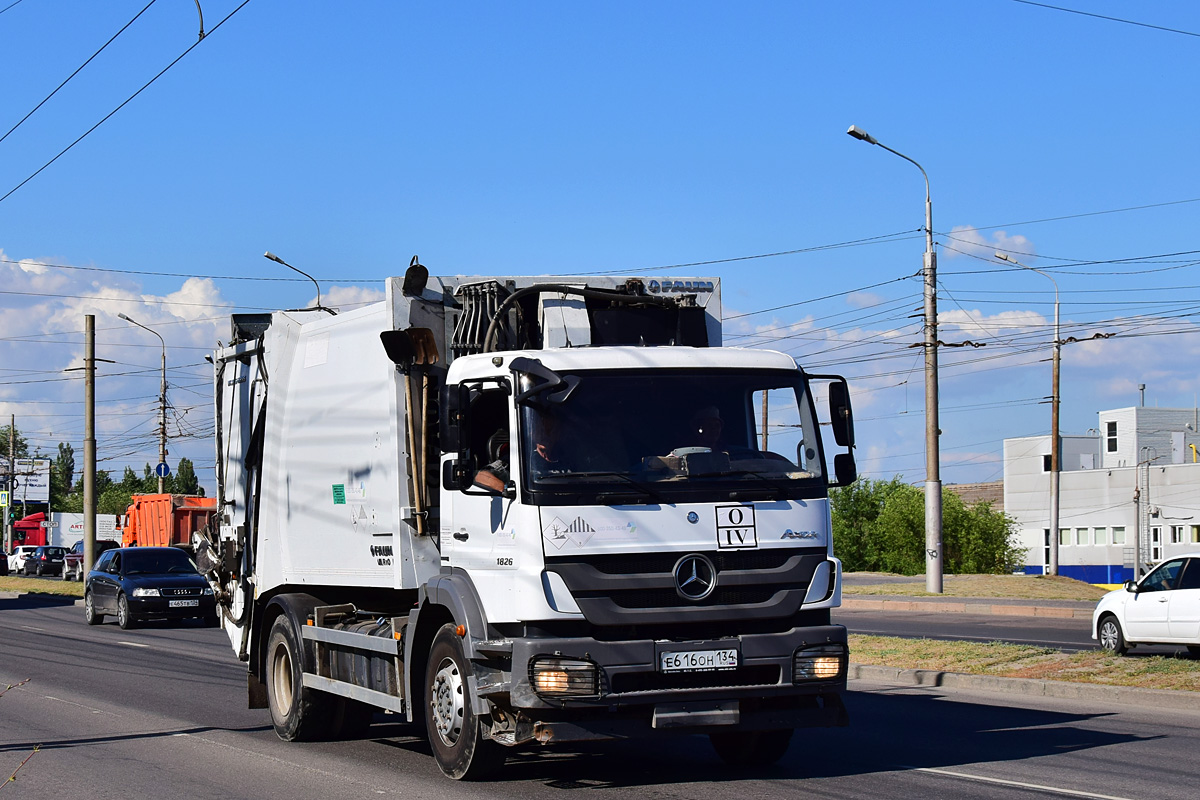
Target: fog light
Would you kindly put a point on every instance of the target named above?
(823, 663)
(146, 593)
(564, 677)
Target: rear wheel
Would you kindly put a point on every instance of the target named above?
(1111, 638)
(90, 614)
(751, 748)
(1194, 649)
(40, 569)
(124, 615)
(298, 713)
(455, 733)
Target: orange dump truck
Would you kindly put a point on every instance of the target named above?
(164, 520)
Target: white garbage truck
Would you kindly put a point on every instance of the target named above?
(529, 510)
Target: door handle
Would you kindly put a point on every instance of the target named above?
(462, 536)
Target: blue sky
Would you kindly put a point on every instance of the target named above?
(541, 138)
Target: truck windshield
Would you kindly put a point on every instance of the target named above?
(672, 436)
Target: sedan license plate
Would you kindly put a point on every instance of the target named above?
(699, 660)
(182, 603)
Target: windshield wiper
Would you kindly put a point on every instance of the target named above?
(642, 489)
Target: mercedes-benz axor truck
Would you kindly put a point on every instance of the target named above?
(521, 510)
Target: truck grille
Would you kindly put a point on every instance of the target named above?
(639, 589)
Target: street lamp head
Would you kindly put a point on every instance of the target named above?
(274, 258)
(861, 135)
(122, 316)
(1005, 257)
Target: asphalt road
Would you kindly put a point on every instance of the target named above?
(160, 711)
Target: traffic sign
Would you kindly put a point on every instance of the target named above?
(49, 523)
(3, 499)
(162, 470)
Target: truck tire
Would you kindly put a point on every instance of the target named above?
(751, 748)
(90, 615)
(455, 733)
(298, 713)
(124, 615)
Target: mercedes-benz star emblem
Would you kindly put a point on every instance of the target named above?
(695, 577)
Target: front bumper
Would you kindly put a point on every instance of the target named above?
(635, 698)
(160, 608)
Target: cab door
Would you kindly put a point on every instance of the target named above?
(1146, 613)
(1183, 610)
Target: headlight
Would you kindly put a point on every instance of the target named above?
(146, 593)
(564, 677)
(821, 663)
(207, 590)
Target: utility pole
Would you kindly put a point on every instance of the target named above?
(89, 443)
(12, 468)
(934, 557)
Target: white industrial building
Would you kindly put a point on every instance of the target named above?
(1131, 489)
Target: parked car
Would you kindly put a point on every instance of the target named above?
(3, 563)
(138, 583)
(17, 560)
(1162, 608)
(44, 560)
(73, 562)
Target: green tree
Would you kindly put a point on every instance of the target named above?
(62, 476)
(880, 526)
(185, 480)
(20, 446)
(113, 500)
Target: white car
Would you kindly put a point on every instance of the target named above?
(1163, 608)
(16, 561)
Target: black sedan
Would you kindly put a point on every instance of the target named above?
(46, 560)
(137, 583)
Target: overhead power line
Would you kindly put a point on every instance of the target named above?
(1104, 17)
(127, 101)
(77, 71)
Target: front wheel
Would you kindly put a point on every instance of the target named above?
(90, 614)
(124, 616)
(1111, 638)
(455, 733)
(751, 748)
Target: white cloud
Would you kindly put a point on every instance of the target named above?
(965, 240)
(345, 298)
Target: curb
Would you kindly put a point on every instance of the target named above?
(1026, 687)
(958, 607)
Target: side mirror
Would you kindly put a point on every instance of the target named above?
(453, 476)
(844, 469)
(451, 417)
(1131, 587)
(841, 417)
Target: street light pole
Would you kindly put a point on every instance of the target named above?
(1055, 398)
(162, 402)
(933, 479)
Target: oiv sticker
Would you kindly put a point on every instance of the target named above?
(735, 528)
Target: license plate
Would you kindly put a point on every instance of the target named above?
(182, 603)
(699, 660)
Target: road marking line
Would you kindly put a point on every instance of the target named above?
(79, 705)
(1021, 784)
(31, 628)
(133, 644)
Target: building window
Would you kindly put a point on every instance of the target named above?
(1101, 535)
(1196, 534)
(1112, 437)
(1118, 534)
(1064, 536)
(1081, 536)
(1176, 534)
(1047, 465)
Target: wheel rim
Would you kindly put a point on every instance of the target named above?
(281, 680)
(1109, 635)
(123, 611)
(446, 699)
(89, 610)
